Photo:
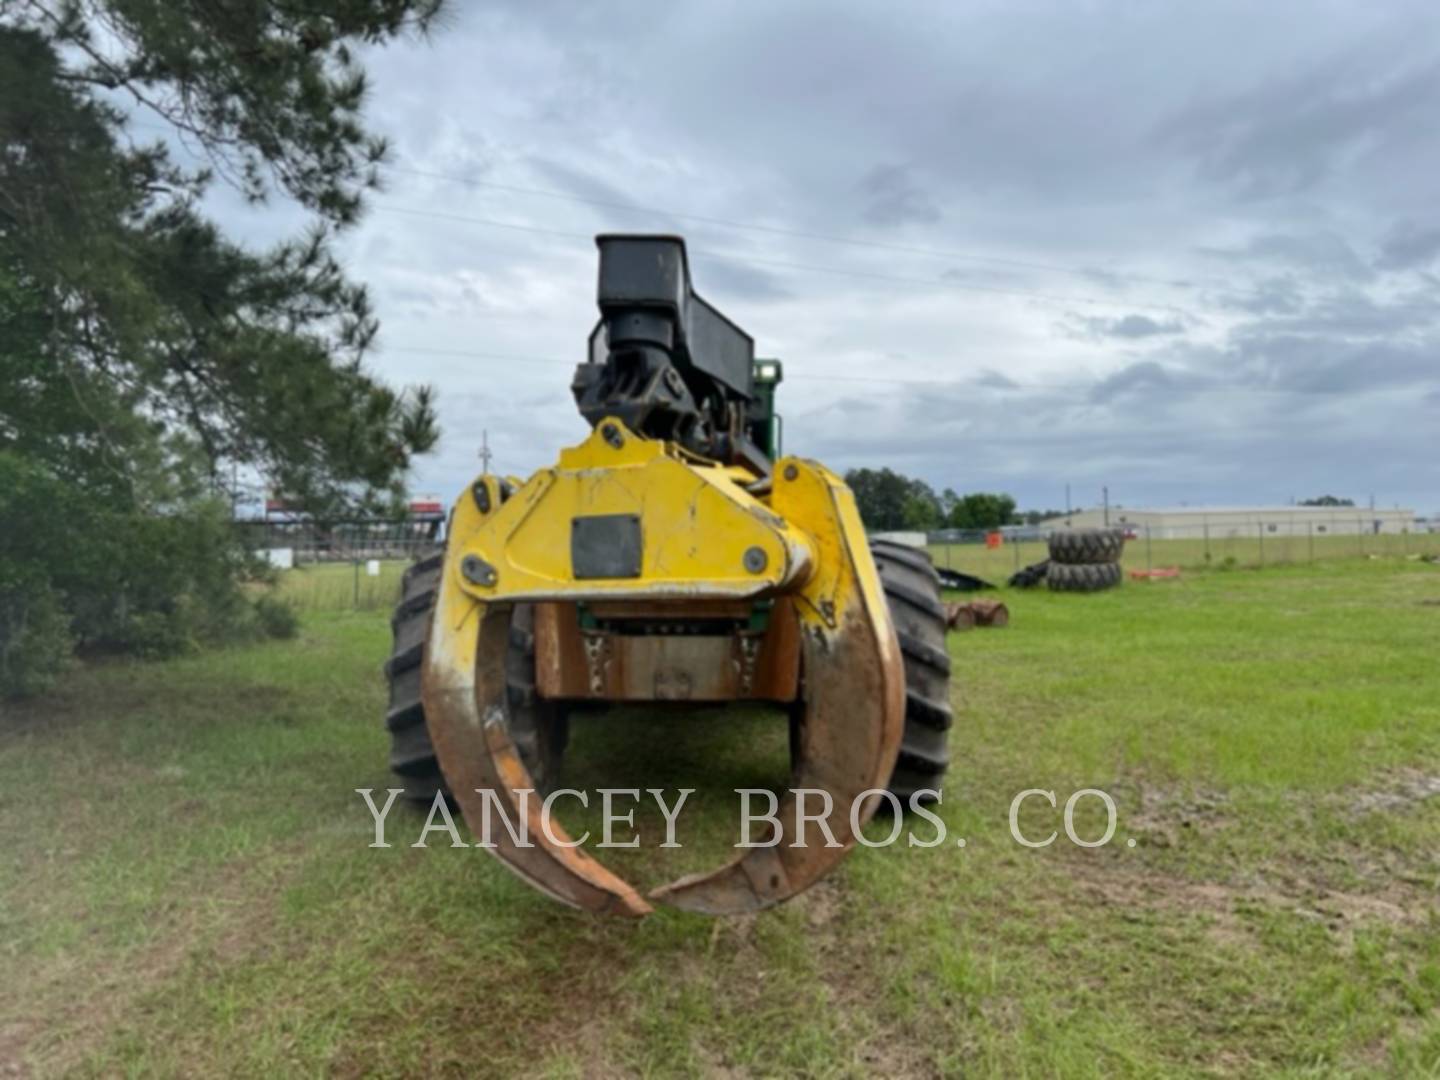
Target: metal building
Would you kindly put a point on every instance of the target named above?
(1185, 522)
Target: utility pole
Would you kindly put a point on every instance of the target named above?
(1105, 498)
(485, 454)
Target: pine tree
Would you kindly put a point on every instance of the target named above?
(141, 350)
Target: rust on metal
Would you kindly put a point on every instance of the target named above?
(1159, 573)
(580, 663)
(972, 613)
(841, 750)
(850, 722)
(465, 710)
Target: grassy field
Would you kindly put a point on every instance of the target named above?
(187, 887)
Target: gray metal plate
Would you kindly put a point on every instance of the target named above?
(605, 546)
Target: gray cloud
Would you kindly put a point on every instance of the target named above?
(995, 380)
(1351, 313)
(1287, 134)
(1129, 327)
(1320, 252)
(1146, 377)
(1270, 296)
(1409, 246)
(1241, 194)
(727, 280)
(893, 197)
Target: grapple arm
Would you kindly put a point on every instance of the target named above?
(670, 530)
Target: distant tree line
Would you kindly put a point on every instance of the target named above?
(890, 500)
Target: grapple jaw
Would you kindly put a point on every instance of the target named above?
(702, 536)
(466, 710)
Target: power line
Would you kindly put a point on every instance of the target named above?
(791, 373)
(776, 230)
(941, 282)
(1086, 272)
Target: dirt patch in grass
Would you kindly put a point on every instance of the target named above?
(14, 1037)
(1407, 788)
(1343, 886)
(1231, 910)
(822, 904)
(1168, 814)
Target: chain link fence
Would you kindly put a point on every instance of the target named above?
(339, 566)
(357, 540)
(356, 565)
(994, 555)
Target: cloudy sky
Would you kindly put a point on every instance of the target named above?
(1185, 251)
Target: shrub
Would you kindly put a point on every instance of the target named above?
(277, 617)
(87, 573)
(34, 635)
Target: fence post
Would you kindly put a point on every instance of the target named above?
(1149, 553)
(1310, 528)
(356, 603)
(1261, 527)
(1015, 545)
(1206, 527)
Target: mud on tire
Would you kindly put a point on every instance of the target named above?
(1076, 546)
(1091, 577)
(912, 589)
(539, 728)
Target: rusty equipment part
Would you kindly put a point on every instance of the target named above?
(666, 559)
(1158, 573)
(643, 652)
(976, 613)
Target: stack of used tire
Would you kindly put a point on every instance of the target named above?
(1084, 560)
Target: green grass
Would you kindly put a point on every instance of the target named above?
(187, 887)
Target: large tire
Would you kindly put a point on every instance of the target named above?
(1073, 547)
(1092, 577)
(912, 590)
(539, 728)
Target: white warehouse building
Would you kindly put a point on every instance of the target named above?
(1217, 522)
